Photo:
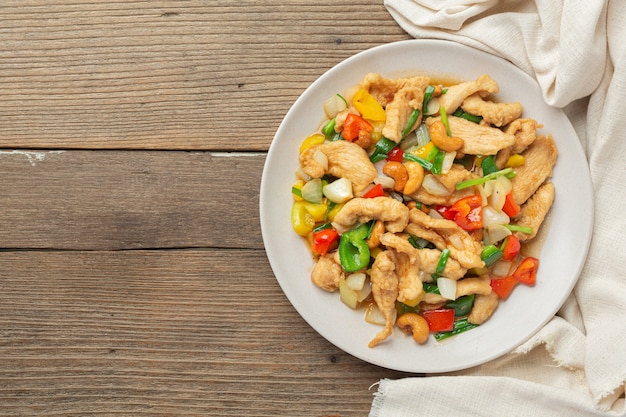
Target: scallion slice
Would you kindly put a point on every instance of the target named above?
(412, 119)
(438, 162)
(490, 255)
(467, 116)
(383, 146)
(508, 172)
(428, 94)
(489, 165)
(518, 228)
(444, 119)
(441, 263)
(460, 326)
(427, 165)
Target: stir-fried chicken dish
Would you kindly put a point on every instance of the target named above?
(418, 199)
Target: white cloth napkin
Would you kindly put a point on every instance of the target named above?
(576, 364)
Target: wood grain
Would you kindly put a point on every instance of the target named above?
(116, 200)
(133, 279)
(210, 75)
(181, 332)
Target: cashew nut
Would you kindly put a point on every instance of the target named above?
(440, 138)
(364, 140)
(412, 323)
(416, 176)
(377, 232)
(398, 172)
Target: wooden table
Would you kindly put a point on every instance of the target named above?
(133, 279)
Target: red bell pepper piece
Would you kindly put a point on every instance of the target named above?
(353, 125)
(467, 212)
(445, 212)
(503, 286)
(526, 272)
(375, 191)
(511, 208)
(440, 320)
(325, 240)
(396, 155)
(510, 248)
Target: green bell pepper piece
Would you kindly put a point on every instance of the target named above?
(354, 254)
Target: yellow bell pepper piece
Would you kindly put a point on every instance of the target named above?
(478, 161)
(316, 139)
(297, 185)
(317, 211)
(301, 220)
(515, 161)
(333, 212)
(416, 301)
(375, 252)
(425, 150)
(367, 105)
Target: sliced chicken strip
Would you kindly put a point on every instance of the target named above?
(456, 94)
(428, 265)
(539, 159)
(484, 306)
(468, 255)
(525, 132)
(345, 160)
(385, 292)
(478, 139)
(407, 99)
(497, 114)
(535, 210)
(392, 212)
(407, 266)
(327, 273)
(410, 286)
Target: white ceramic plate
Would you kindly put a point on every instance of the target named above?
(518, 318)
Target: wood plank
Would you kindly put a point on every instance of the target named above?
(209, 75)
(129, 200)
(178, 332)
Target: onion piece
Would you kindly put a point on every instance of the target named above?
(365, 291)
(501, 268)
(432, 185)
(347, 295)
(334, 105)
(312, 191)
(448, 160)
(380, 165)
(498, 196)
(435, 214)
(385, 181)
(303, 175)
(422, 135)
(495, 233)
(338, 191)
(349, 93)
(433, 106)
(373, 315)
(505, 183)
(365, 190)
(356, 281)
(396, 196)
(492, 216)
(321, 158)
(456, 241)
(447, 288)
(409, 141)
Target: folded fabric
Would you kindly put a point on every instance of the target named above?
(576, 364)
